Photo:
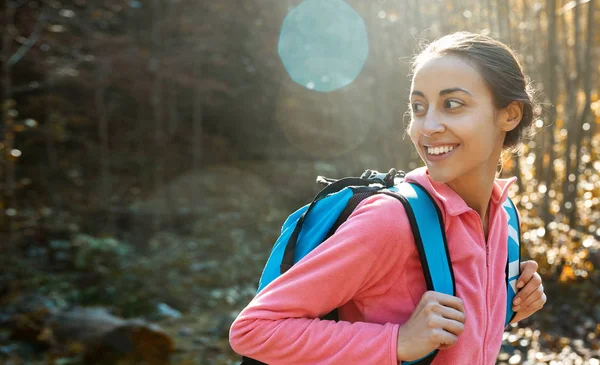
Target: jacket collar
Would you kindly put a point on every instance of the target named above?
(452, 203)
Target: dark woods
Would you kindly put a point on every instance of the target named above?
(149, 151)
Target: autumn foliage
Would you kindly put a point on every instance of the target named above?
(145, 145)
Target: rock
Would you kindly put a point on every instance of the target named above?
(165, 311)
(105, 338)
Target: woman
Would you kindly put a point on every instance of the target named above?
(469, 100)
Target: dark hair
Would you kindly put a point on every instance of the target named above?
(499, 67)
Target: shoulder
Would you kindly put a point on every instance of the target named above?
(382, 208)
(380, 219)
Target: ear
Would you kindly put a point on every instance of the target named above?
(511, 116)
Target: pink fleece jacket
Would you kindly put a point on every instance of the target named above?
(370, 268)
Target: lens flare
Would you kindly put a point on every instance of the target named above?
(323, 44)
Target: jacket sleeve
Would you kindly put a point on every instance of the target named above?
(281, 324)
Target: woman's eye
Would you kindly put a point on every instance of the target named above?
(417, 107)
(452, 104)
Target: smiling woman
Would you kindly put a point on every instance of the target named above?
(446, 114)
(498, 67)
(469, 101)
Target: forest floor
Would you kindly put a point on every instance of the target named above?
(193, 284)
(562, 333)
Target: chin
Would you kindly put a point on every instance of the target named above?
(440, 176)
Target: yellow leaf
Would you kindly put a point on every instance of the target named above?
(546, 158)
(567, 274)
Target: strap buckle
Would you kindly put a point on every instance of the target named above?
(388, 179)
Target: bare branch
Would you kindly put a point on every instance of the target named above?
(33, 38)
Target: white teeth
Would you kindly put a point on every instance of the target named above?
(439, 150)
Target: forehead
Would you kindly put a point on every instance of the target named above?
(446, 72)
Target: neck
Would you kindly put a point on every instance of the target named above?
(476, 186)
(476, 190)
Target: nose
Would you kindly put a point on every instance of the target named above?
(432, 124)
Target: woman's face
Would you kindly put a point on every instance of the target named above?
(454, 121)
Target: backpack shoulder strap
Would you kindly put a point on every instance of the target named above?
(333, 187)
(429, 234)
(513, 261)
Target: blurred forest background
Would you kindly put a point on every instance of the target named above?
(150, 151)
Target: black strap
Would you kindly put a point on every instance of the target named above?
(419, 243)
(288, 255)
(417, 237)
(359, 196)
(249, 361)
(334, 186)
(352, 204)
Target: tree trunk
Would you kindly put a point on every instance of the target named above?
(6, 162)
(499, 20)
(540, 137)
(573, 76)
(155, 65)
(197, 120)
(515, 41)
(587, 71)
(552, 94)
(506, 17)
(51, 150)
(105, 165)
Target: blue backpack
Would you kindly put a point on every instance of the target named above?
(312, 224)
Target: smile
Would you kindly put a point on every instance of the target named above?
(439, 153)
(439, 150)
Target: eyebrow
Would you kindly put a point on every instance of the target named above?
(443, 92)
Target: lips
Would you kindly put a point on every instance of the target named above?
(439, 150)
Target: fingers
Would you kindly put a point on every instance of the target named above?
(532, 286)
(437, 322)
(535, 300)
(453, 314)
(444, 338)
(451, 326)
(528, 268)
(531, 294)
(445, 300)
(445, 317)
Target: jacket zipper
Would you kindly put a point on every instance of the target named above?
(487, 285)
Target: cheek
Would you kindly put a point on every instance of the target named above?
(413, 132)
(475, 127)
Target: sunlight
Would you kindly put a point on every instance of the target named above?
(323, 44)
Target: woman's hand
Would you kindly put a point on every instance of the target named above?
(436, 322)
(530, 296)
